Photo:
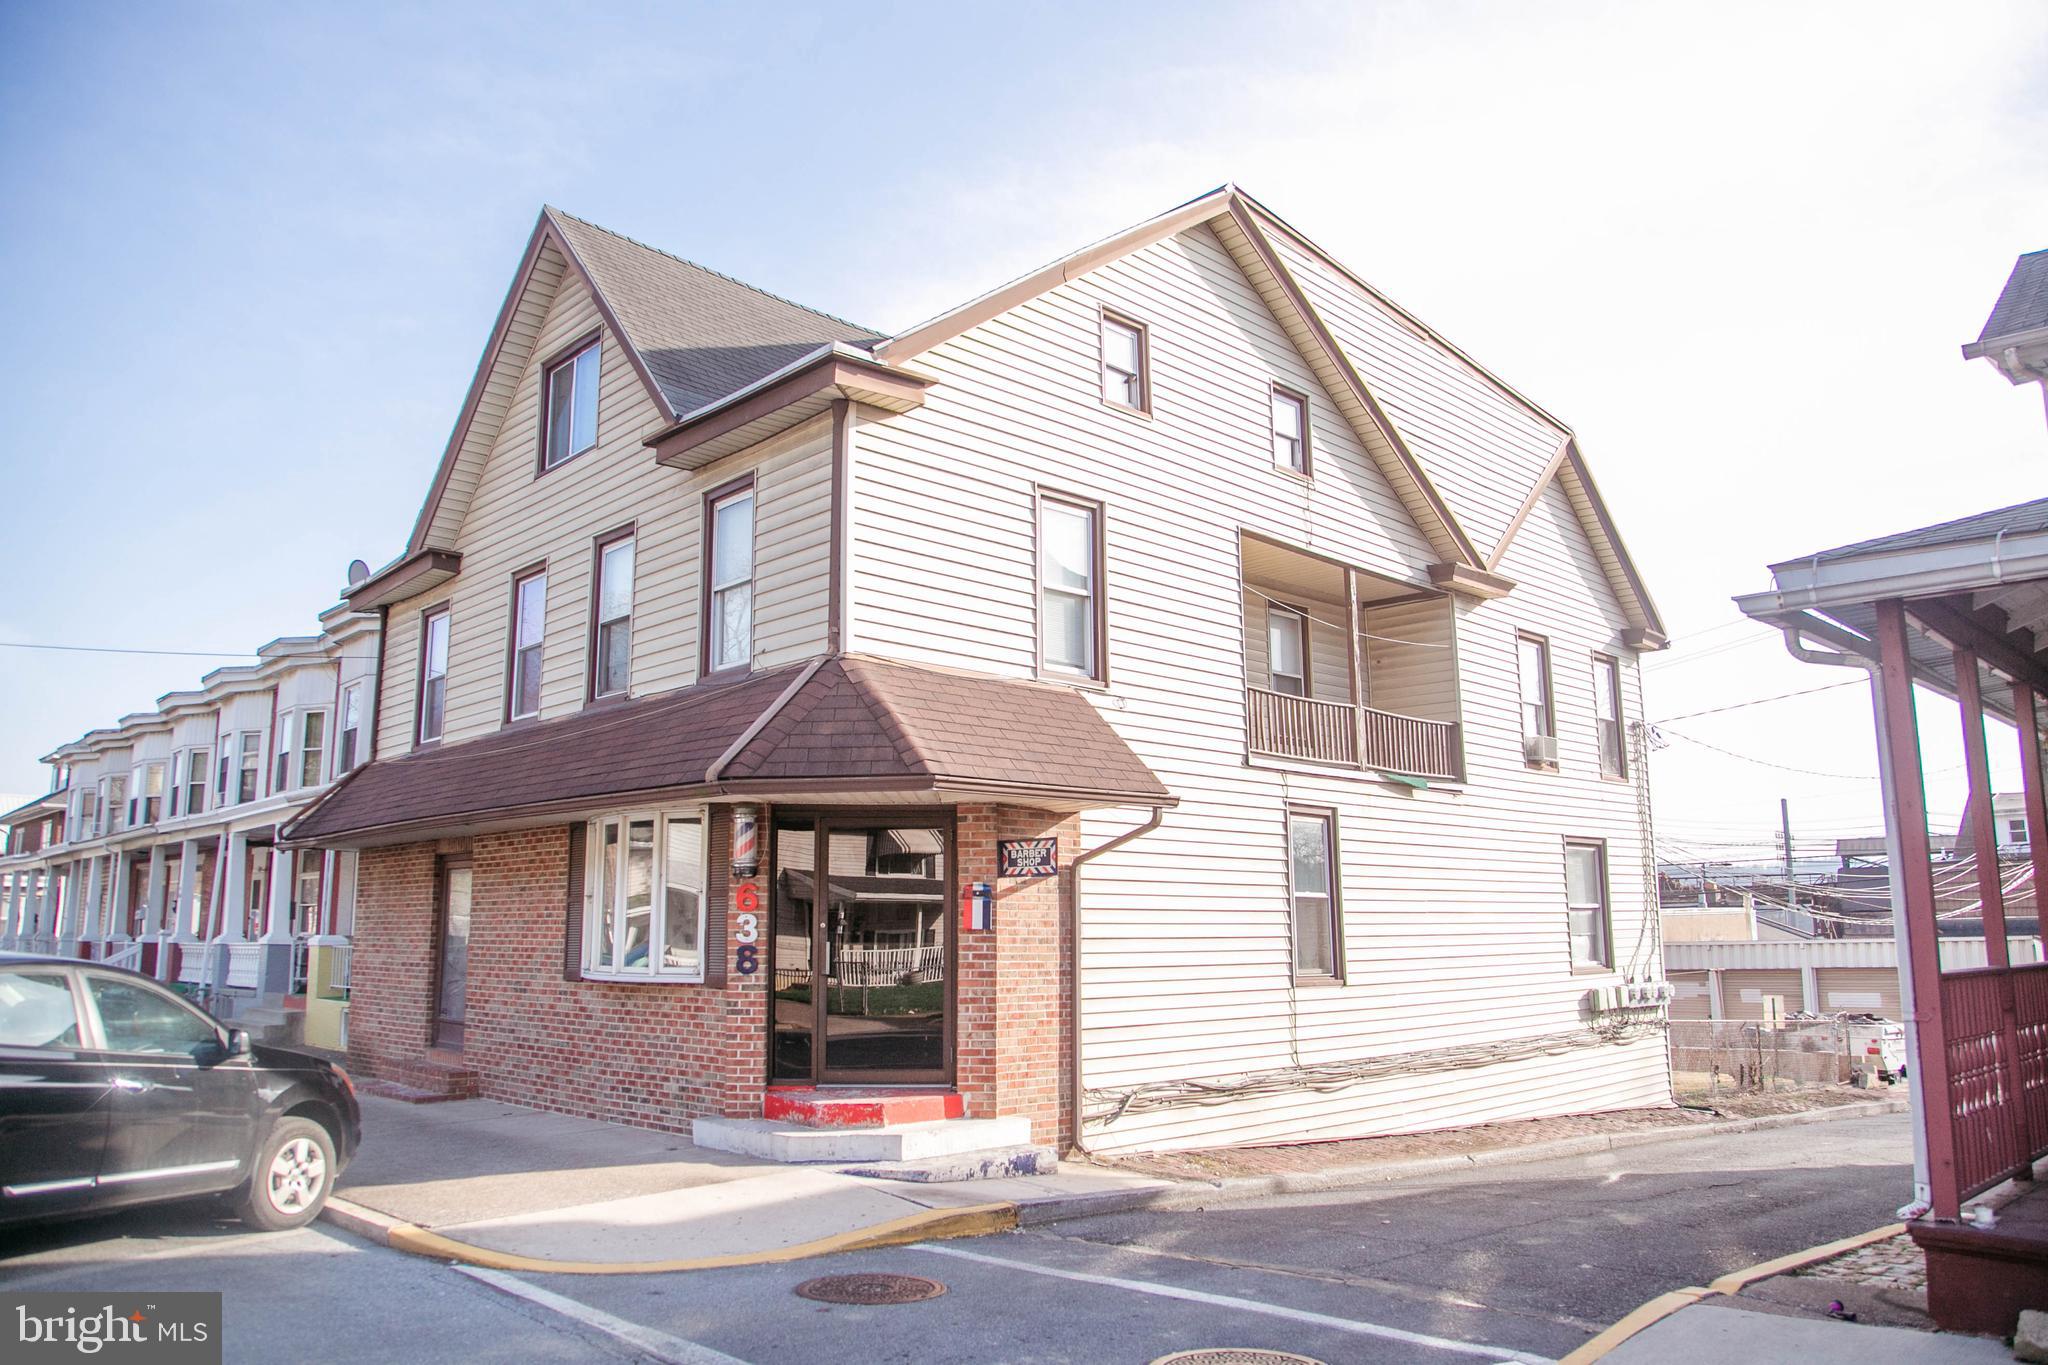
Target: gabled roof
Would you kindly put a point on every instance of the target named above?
(2022, 305)
(692, 335)
(1568, 469)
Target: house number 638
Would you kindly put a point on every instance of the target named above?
(747, 930)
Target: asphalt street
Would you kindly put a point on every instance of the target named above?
(1525, 1260)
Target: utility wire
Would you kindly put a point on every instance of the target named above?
(172, 653)
(1759, 701)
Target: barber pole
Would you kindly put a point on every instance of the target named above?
(746, 840)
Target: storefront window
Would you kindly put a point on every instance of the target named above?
(624, 938)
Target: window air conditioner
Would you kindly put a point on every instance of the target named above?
(1539, 749)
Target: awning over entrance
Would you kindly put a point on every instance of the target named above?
(844, 726)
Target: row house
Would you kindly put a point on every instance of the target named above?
(156, 847)
(1174, 699)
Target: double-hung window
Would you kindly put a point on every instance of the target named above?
(572, 405)
(1539, 721)
(117, 804)
(611, 665)
(196, 765)
(1287, 650)
(1607, 716)
(306, 891)
(312, 747)
(1312, 889)
(1585, 898)
(152, 793)
(250, 765)
(730, 633)
(433, 706)
(1290, 430)
(281, 765)
(1125, 357)
(529, 626)
(351, 728)
(646, 914)
(1070, 617)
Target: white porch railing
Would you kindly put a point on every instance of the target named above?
(129, 955)
(1287, 726)
(243, 961)
(889, 966)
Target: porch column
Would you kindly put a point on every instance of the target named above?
(39, 910)
(1355, 663)
(1913, 872)
(187, 928)
(93, 927)
(2027, 718)
(234, 896)
(118, 896)
(71, 909)
(274, 975)
(155, 892)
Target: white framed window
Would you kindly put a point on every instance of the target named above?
(529, 628)
(117, 801)
(1287, 650)
(611, 661)
(1312, 891)
(152, 793)
(433, 706)
(306, 891)
(1290, 430)
(312, 747)
(349, 748)
(1607, 716)
(1070, 618)
(249, 766)
(1533, 661)
(644, 915)
(1125, 361)
(731, 609)
(196, 765)
(572, 405)
(281, 764)
(85, 822)
(1585, 899)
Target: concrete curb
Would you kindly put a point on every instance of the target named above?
(1734, 1282)
(929, 1225)
(1188, 1194)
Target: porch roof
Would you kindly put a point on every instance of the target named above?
(841, 726)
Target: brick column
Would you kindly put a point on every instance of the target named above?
(391, 1006)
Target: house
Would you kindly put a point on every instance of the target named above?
(1175, 698)
(1957, 608)
(156, 847)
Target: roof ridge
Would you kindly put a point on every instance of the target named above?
(718, 274)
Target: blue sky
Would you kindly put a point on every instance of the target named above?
(253, 251)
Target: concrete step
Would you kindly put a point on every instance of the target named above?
(410, 1094)
(778, 1141)
(863, 1107)
(1000, 1164)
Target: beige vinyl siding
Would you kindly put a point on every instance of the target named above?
(1481, 448)
(1412, 669)
(1863, 990)
(516, 519)
(1329, 666)
(1743, 992)
(1453, 897)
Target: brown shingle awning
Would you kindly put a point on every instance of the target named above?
(855, 725)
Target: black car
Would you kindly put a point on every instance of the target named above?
(114, 1092)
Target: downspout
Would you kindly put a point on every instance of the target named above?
(1076, 1090)
(1922, 1189)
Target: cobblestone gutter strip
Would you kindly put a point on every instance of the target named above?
(1185, 1193)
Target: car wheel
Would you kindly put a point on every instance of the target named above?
(289, 1184)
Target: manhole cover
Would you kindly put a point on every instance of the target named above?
(870, 1289)
(1235, 1355)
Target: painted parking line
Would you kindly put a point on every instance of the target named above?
(1271, 1310)
(657, 1345)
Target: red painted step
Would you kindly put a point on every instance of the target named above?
(839, 1107)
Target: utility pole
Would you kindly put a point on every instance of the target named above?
(1785, 820)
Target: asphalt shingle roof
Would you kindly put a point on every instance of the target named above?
(2023, 304)
(703, 335)
(2019, 519)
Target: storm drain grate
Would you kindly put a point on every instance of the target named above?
(872, 1289)
(1235, 1355)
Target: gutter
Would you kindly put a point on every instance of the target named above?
(1076, 1089)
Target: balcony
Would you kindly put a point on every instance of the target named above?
(1347, 669)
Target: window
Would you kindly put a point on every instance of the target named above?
(572, 406)
(529, 625)
(433, 675)
(196, 764)
(731, 628)
(611, 666)
(117, 800)
(306, 892)
(36, 1010)
(1534, 658)
(1125, 352)
(87, 820)
(251, 764)
(152, 793)
(351, 727)
(647, 916)
(312, 747)
(1287, 650)
(1290, 430)
(1312, 887)
(281, 765)
(1607, 716)
(136, 1018)
(2016, 830)
(1585, 898)
(1070, 588)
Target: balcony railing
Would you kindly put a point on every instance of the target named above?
(1287, 726)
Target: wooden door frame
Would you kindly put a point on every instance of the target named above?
(823, 820)
(444, 863)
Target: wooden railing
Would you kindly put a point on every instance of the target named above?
(1997, 1073)
(1337, 732)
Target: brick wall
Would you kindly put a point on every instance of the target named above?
(390, 1012)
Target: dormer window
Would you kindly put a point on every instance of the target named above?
(571, 388)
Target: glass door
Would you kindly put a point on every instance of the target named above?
(451, 989)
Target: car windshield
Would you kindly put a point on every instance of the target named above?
(135, 1018)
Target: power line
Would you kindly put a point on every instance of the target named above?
(1766, 763)
(169, 653)
(1759, 701)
